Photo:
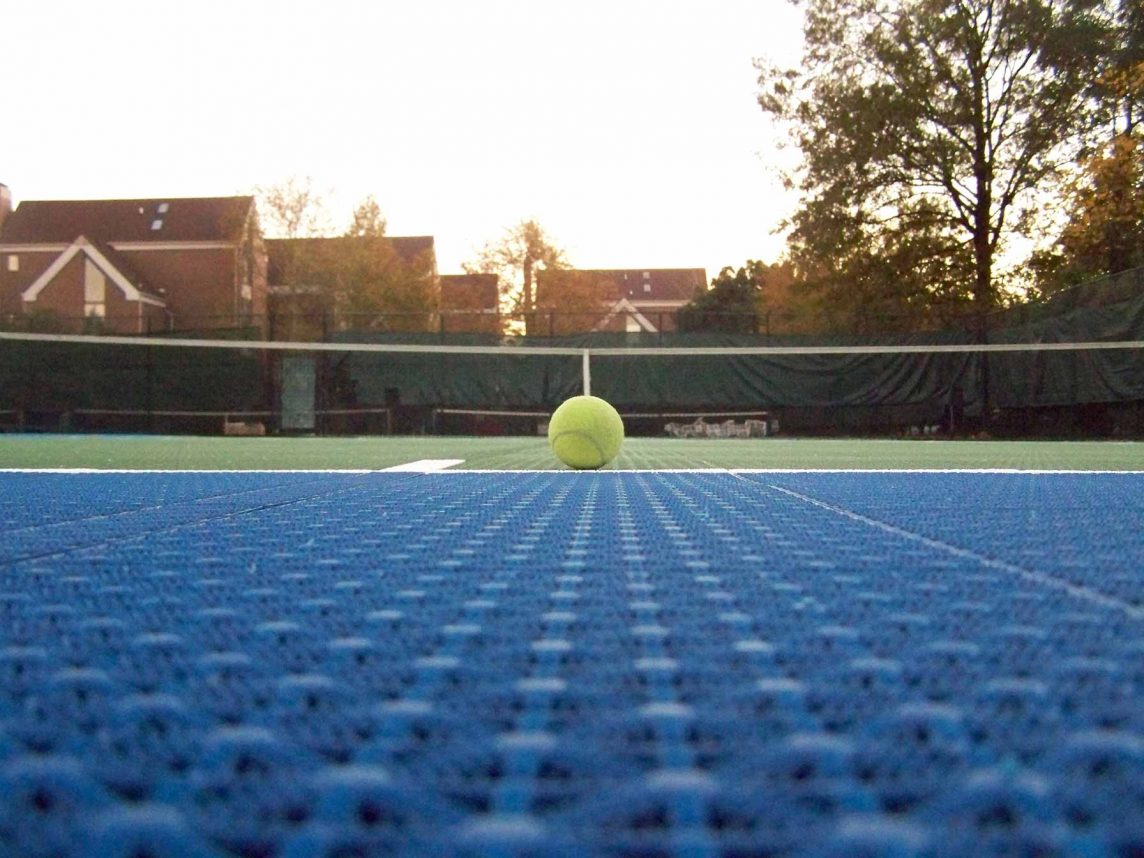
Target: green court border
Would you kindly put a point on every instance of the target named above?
(159, 452)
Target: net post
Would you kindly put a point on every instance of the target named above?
(586, 363)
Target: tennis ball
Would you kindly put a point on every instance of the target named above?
(585, 432)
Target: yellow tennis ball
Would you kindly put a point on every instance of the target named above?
(585, 432)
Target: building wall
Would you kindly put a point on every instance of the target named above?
(200, 286)
(5, 204)
(582, 300)
(661, 314)
(254, 252)
(30, 265)
(65, 299)
(220, 283)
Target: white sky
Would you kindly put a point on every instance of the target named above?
(628, 128)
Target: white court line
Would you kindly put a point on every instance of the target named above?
(185, 471)
(737, 471)
(425, 466)
(1041, 578)
(1043, 471)
(451, 463)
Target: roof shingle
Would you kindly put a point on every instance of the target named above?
(169, 219)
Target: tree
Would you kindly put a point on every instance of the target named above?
(909, 274)
(572, 302)
(756, 298)
(375, 286)
(515, 258)
(1105, 230)
(1103, 201)
(926, 127)
(730, 306)
(783, 306)
(1118, 81)
(359, 275)
(293, 209)
(367, 219)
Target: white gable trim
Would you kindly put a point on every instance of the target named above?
(136, 246)
(33, 248)
(133, 246)
(82, 246)
(656, 303)
(626, 306)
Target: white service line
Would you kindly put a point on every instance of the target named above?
(82, 471)
(1042, 578)
(429, 466)
(1035, 471)
(425, 466)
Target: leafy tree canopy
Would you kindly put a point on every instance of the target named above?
(359, 274)
(1105, 229)
(925, 127)
(731, 305)
(515, 258)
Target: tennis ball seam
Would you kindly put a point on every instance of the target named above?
(587, 436)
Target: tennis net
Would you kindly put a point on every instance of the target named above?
(674, 424)
(52, 381)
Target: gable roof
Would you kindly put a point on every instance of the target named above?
(104, 258)
(642, 285)
(162, 219)
(628, 309)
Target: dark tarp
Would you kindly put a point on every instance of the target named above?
(58, 376)
(1033, 379)
(836, 390)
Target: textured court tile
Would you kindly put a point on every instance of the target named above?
(560, 663)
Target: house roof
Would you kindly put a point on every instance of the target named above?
(161, 219)
(641, 285)
(279, 251)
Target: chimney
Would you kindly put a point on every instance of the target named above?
(5, 205)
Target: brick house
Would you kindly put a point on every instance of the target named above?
(632, 300)
(132, 266)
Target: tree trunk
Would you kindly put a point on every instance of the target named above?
(526, 298)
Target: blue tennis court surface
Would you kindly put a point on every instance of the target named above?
(734, 664)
